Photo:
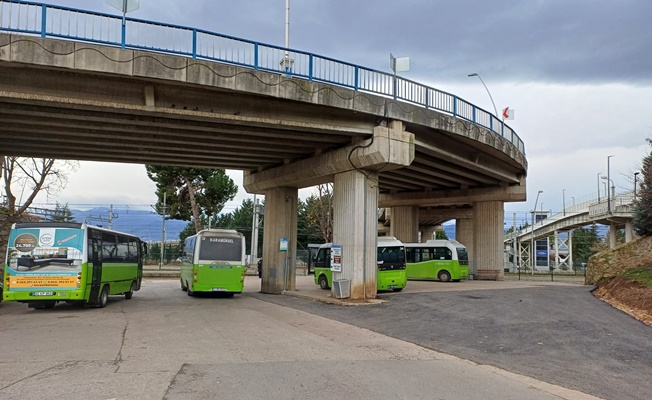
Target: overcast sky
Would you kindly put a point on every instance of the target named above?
(578, 74)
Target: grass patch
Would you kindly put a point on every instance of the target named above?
(640, 275)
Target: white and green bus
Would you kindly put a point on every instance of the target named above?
(213, 260)
(50, 262)
(444, 260)
(390, 261)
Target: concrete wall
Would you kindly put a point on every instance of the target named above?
(610, 263)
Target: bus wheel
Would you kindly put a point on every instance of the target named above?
(130, 293)
(183, 287)
(444, 276)
(323, 282)
(397, 289)
(104, 296)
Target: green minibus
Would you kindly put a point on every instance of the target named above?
(444, 260)
(213, 260)
(390, 260)
(50, 262)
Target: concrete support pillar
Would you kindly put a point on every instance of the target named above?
(629, 231)
(613, 232)
(570, 250)
(464, 235)
(557, 245)
(405, 223)
(428, 232)
(280, 223)
(488, 239)
(355, 220)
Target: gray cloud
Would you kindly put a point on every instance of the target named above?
(569, 41)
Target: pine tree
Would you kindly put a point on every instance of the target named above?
(643, 202)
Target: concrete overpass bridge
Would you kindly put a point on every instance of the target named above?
(76, 84)
(615, 212)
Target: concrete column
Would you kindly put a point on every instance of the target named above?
(464, 235)
(556, 249)
(629, 231)
(570, 250)
(428, 232)
(280, 222)
(488, 239)
(405, 223)
(612, 235)
(355, 204)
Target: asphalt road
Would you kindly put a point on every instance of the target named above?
(557, 334)
(163, 344)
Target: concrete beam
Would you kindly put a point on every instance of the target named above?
(444, 213)
(454, 197)
(388, 149)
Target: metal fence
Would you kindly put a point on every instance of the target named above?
(46, 20)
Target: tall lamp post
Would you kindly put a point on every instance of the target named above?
(599, 173)
(609, 180)
(485, 86)
(532, 250)
(563, 200)
(635, 181)
(610, 188)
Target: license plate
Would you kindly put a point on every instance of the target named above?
(219, 289)
(43, 294)
(392, 287)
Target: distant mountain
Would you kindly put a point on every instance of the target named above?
(142, 223)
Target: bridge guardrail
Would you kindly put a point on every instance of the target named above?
(47, 20)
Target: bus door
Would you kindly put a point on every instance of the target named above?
(95, 254)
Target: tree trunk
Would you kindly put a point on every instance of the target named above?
(193, 204)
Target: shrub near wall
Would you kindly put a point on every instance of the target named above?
(611, 263)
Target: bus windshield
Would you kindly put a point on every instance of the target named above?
(220, 248)
(391, 257)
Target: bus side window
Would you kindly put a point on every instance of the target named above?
(425, 255)
(412, 254)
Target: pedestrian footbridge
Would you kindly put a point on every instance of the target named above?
(615, 212)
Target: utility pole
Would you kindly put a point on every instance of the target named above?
(163, 229)
(163, 212)
(110, 218)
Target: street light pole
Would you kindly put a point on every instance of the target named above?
(635, 181)
(489, 93)
(609, 180)
(599, 173)
(563, 199)
(532, 250)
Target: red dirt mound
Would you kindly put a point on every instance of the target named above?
(628, 296)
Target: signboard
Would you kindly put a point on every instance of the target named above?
(507, 113)
(283, 244)
(124, 5)
(336, 258)
(401, 64)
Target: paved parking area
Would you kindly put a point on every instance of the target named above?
(163, 344)
(557, 332)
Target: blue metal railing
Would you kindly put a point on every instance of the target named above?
(48, 20)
